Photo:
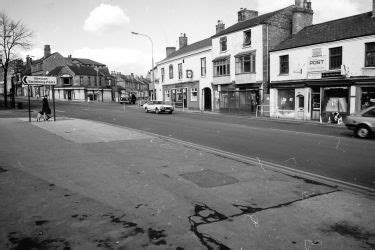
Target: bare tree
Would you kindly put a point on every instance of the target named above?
(13, 35)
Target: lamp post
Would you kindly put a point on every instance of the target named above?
(152, 57)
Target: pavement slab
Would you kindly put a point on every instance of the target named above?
(136, 180)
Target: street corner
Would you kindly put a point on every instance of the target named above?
(333, 221)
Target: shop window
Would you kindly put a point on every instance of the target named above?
(284, 64)
(370, 55)
(194, 95)
(247, 38)
(335, 100)
(223, 43)
(286, 99)
(335, 58)
(368, 97)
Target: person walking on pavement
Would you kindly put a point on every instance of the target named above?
(45, 110)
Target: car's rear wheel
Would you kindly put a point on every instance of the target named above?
(157, 111)
(362, 131)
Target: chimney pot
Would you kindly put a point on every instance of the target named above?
(221, 26)
(245, 14)
(182, 41)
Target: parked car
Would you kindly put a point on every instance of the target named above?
(362, 123)
(124, 99)
(157, 107)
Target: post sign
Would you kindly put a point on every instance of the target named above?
(39, 80)
(317, 63)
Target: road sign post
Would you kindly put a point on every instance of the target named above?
(38, 81)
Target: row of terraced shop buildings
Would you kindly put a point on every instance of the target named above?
(277, 64)
(78, 79)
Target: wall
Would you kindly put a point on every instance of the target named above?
(353, 58)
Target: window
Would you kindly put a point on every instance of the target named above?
(203, 66)
(370, 113)
(171, 71)
(221, 68)
(162, 74)
(284, 64)
(245, 64)
(180, 71)
(223, 43)
(194, 94)
(335, 58)
(247, 38)
(286, 99)
(370, 55)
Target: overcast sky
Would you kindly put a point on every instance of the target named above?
(100, 29)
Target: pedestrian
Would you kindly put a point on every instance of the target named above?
(46, 111)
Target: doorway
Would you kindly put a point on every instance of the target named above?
(207, 99)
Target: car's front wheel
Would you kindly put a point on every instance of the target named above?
(362, 131)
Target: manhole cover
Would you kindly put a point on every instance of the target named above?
(209, 178)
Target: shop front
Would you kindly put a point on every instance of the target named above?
(182, 95)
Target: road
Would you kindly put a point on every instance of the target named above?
(329, 151)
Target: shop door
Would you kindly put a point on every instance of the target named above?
(300, 106)
(315, 104)
(69, 95)
(207, 99)
(184, 96)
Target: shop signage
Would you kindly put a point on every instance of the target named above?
(331, 74)
(314, 75)
(317, 63)
(189, 74)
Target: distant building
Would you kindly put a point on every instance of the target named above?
(128, 85)
(325, 68)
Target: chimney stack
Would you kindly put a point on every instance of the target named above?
(170, 50)
(47, 51)
(245, 14)
(373, 8)
(302, 15)
(221, 26)
(182, 41)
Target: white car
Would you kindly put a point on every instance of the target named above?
(363, 122)
(158, 107)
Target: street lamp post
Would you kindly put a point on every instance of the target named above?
(152, 57)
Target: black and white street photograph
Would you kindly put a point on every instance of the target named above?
(171, 124)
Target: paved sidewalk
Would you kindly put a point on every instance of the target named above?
(81, 184)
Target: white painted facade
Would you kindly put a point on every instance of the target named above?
(191, 62)
(235, 46)
(309, 68)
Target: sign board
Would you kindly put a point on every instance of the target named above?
(314, 75)
(317, 63)
(39, 80)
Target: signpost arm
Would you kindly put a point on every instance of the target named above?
(53, 99)
(28, 95)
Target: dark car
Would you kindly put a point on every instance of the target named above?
(362, 123)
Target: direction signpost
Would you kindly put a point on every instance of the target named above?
(41, 80)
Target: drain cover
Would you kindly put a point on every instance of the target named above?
(209, 178)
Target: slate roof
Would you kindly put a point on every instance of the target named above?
(88, 61)
(262, 19)
(78, 70)
(339, 29)
(189, 48)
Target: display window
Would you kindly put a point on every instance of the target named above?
(286, 99)
(368, 97)
(335, 100)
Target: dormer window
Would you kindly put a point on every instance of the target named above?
(247, 38)
(223, 43)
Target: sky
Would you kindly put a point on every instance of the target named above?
(101, 29)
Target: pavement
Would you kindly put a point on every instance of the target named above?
(80, 184)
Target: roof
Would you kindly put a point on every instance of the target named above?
(33, 62)
(88, 61)
(189, 48)
(339, 29)
(262, 19)
(78, 70)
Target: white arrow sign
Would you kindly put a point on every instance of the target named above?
(39, 80)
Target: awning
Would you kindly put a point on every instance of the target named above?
(221, 58)
(244, 53)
